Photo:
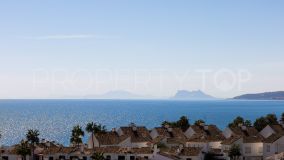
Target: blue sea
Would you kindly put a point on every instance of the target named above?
(55, 118)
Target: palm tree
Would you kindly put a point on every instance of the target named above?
(77, 134)
(98, 156)
(32, 137)
(94, 128)
(183, 123)
(23, 149)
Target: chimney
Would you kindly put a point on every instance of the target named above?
(113, 130)
(167, 126)
(134, 128)
(206, 128)
(82, 148)
(178, 151)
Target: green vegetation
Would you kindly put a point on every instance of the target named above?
(235, 152)
(240, 121)
(23, 149)
(77, 135)
(282, 117)
(199, 122)
(261, 122)
(32, 138)
(182, 123)
(98, 156)
(94, 128)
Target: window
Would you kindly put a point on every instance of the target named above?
(188, 158)
(61, 157)
(50, 158)
(268, 148)
(84, 158)
(108, 157)
(73, 157)
(121, 157)
(5, 158)
(247, 150)
(132, 157)
(146, 157)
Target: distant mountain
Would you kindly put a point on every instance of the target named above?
(192, 95)
(118, 94)
(279, 95)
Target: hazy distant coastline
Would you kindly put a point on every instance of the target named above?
(278, 95)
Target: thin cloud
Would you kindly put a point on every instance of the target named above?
(71, 36)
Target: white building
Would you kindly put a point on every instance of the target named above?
(247, 138)
(274, 140)
(131, 136)
(168, 136)
(207, 137)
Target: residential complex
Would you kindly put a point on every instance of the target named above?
(166, 143)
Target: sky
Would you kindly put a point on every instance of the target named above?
(69, 48)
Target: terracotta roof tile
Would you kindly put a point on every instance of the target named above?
(141, 134)
(109, 138)
(211, 134)
(249, 135)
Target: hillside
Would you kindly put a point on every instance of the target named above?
(279, 95)
(192, 95)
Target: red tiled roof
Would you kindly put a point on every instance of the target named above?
(141, 134)
(211, 134)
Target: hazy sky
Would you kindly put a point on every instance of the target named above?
(151, 47)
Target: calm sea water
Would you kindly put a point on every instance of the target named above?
(55, 118)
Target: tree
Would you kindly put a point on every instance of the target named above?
(271, 119)
(234, 152)
(23, 149)
(94, 128)
(98, 156)
(32, 138)
(167, 123)
(247, 123)
(183, 123)
(77, 134)
(236, 122)
(260, 123)
(199, 122)
(282, 118)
